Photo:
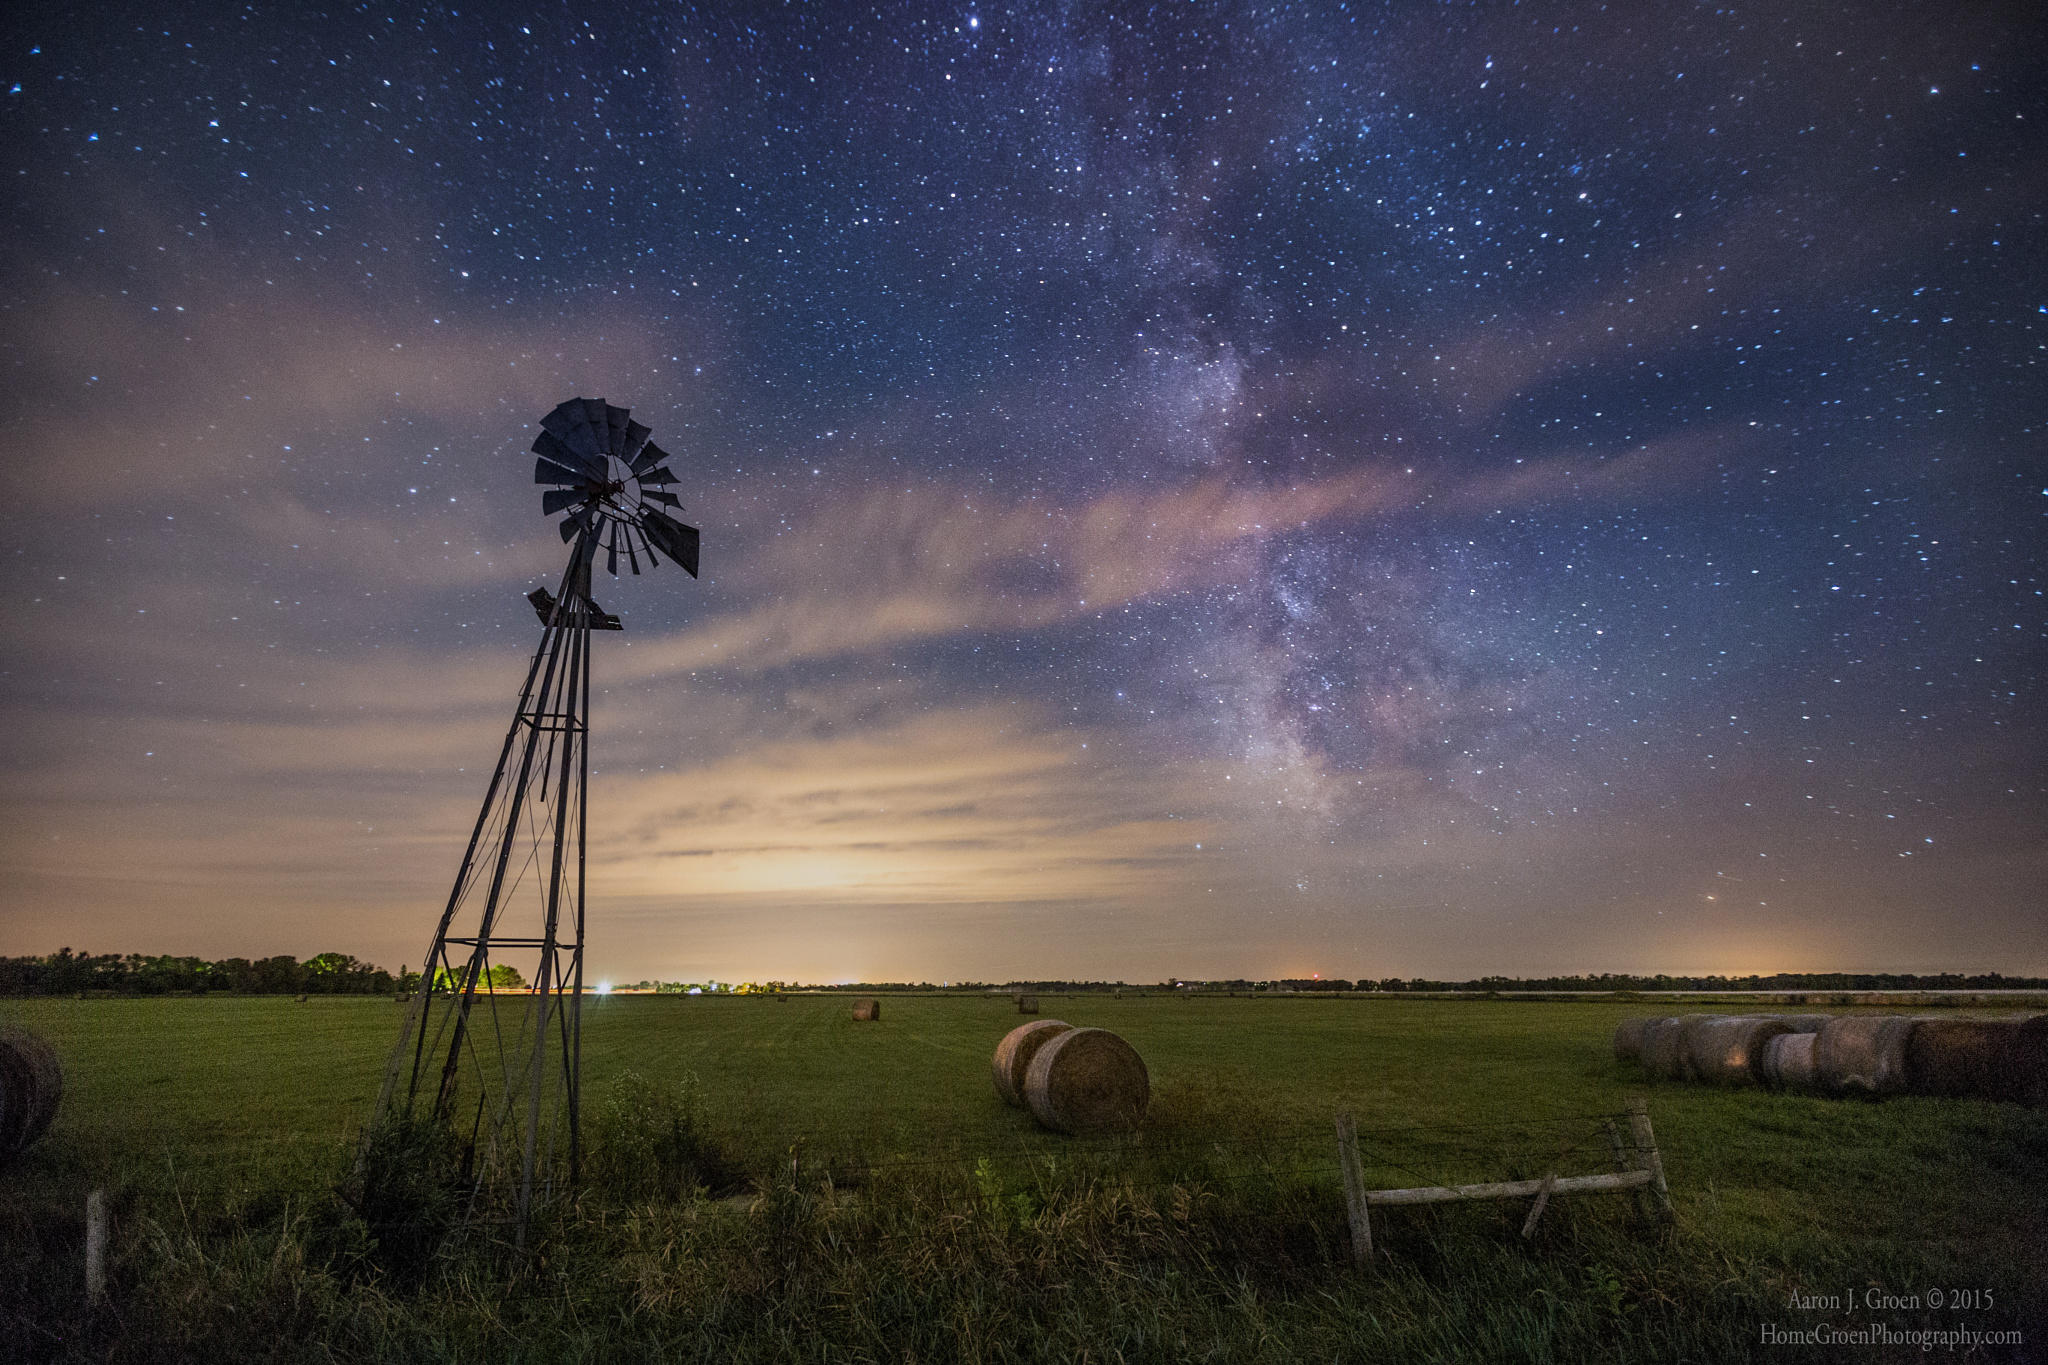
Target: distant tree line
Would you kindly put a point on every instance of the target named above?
(1781, 981)
(67, 973)
(712, 987)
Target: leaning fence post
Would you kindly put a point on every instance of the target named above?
(95, 1247)
(1646, 1153)
(1624, 1160)
(1354, 1191)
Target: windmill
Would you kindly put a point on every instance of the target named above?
(491, 1055)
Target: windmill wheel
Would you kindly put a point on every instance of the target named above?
(613, 484)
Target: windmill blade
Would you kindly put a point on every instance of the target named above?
(615, 429)
(547, 471)
(649, 456)
(657, 495)
(677, 541)
(577, 523)
(611, 550)
(570, 424)
(593, 413)
(660, 475)
(684, 551)
(548, 446)
(563, 416)
(636, 436)
(631, 558)
(587, 444)
(554, 500)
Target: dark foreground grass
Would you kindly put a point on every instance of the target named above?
(895, 1210)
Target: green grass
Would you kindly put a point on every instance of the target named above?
(221, 1127)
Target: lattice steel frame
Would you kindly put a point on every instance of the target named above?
(532, 1085)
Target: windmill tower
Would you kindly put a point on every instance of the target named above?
(490, 1053)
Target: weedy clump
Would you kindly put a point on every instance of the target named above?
(406, 1190)
(648, 1140)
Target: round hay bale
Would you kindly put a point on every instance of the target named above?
(1803, 1023)
(1688, 1026)
(31, 1085)
(866, 1011)
(2026, 1062)
(1961, 1058)
(1012, 1061)
(1661, 1055)
(1862, 1054)
(1731, 1051)
(1628, 1039)
(1087, 1080)
(1027, 1004)
(1788, 1062)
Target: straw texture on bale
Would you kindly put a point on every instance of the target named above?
(1661, 1055)
(1027, 1004)
(1688, 1026)
(1087, 1080)
(1804, 1023)
(1863, 1054)
(1729, 1051)
(1961, 1058)
(31, 1085)
(1013, 1056)
(1788, 1062)
(1628, 1039)
(866, 1010)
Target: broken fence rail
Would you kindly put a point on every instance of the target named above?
(1642, 1168)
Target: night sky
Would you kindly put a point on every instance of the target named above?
(1186, 490)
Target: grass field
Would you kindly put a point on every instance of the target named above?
(926, 1221)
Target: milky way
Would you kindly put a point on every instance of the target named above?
(1231, 490)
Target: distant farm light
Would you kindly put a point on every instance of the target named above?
(604, 988)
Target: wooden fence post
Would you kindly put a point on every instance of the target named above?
(1354, 1191)
(1647, 1157)
(95, 1247)
(1536, 1209)
(1624, 1160)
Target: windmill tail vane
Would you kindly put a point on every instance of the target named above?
(483, 1041)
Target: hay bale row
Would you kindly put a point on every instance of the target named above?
(31, 1086)
(1868, 1054)
(1726, 1049)
(1730, 1051)
(1012, 1061)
